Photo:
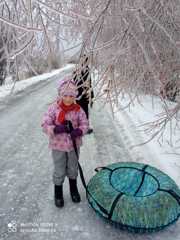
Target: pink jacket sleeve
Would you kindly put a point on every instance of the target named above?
(48, 121)
(83, 121)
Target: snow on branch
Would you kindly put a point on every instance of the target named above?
(69, 15)
(15, 25)
(22, 49)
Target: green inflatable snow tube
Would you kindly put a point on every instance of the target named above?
(134, 196)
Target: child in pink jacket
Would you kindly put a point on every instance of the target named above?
(65, 122)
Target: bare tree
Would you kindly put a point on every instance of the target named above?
(2, 61)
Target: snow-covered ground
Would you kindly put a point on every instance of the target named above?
(27, 208)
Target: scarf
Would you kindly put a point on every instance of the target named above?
(65, 109)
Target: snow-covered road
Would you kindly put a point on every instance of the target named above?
(26, 189)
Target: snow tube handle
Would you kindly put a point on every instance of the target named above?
(101, 168)
(98, 169)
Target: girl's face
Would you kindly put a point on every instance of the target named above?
(68, 100)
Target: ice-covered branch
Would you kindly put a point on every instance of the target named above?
(18, 26)
(63, 13)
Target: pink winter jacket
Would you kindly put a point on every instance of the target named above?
(63, 142)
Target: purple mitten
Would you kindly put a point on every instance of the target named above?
(76, 133)
(61, 128)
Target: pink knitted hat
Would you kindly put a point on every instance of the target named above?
(67, 87)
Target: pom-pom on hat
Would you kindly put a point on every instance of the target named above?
(67, 87)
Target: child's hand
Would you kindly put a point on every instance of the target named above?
(77, 132)
(61, 128)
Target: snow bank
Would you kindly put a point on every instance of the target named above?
(21, 85)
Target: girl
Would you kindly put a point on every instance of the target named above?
(65, 122)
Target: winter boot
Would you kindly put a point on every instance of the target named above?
(58, 196)
(90, 130)
(74, 191)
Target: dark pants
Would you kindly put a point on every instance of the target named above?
(85, 107)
